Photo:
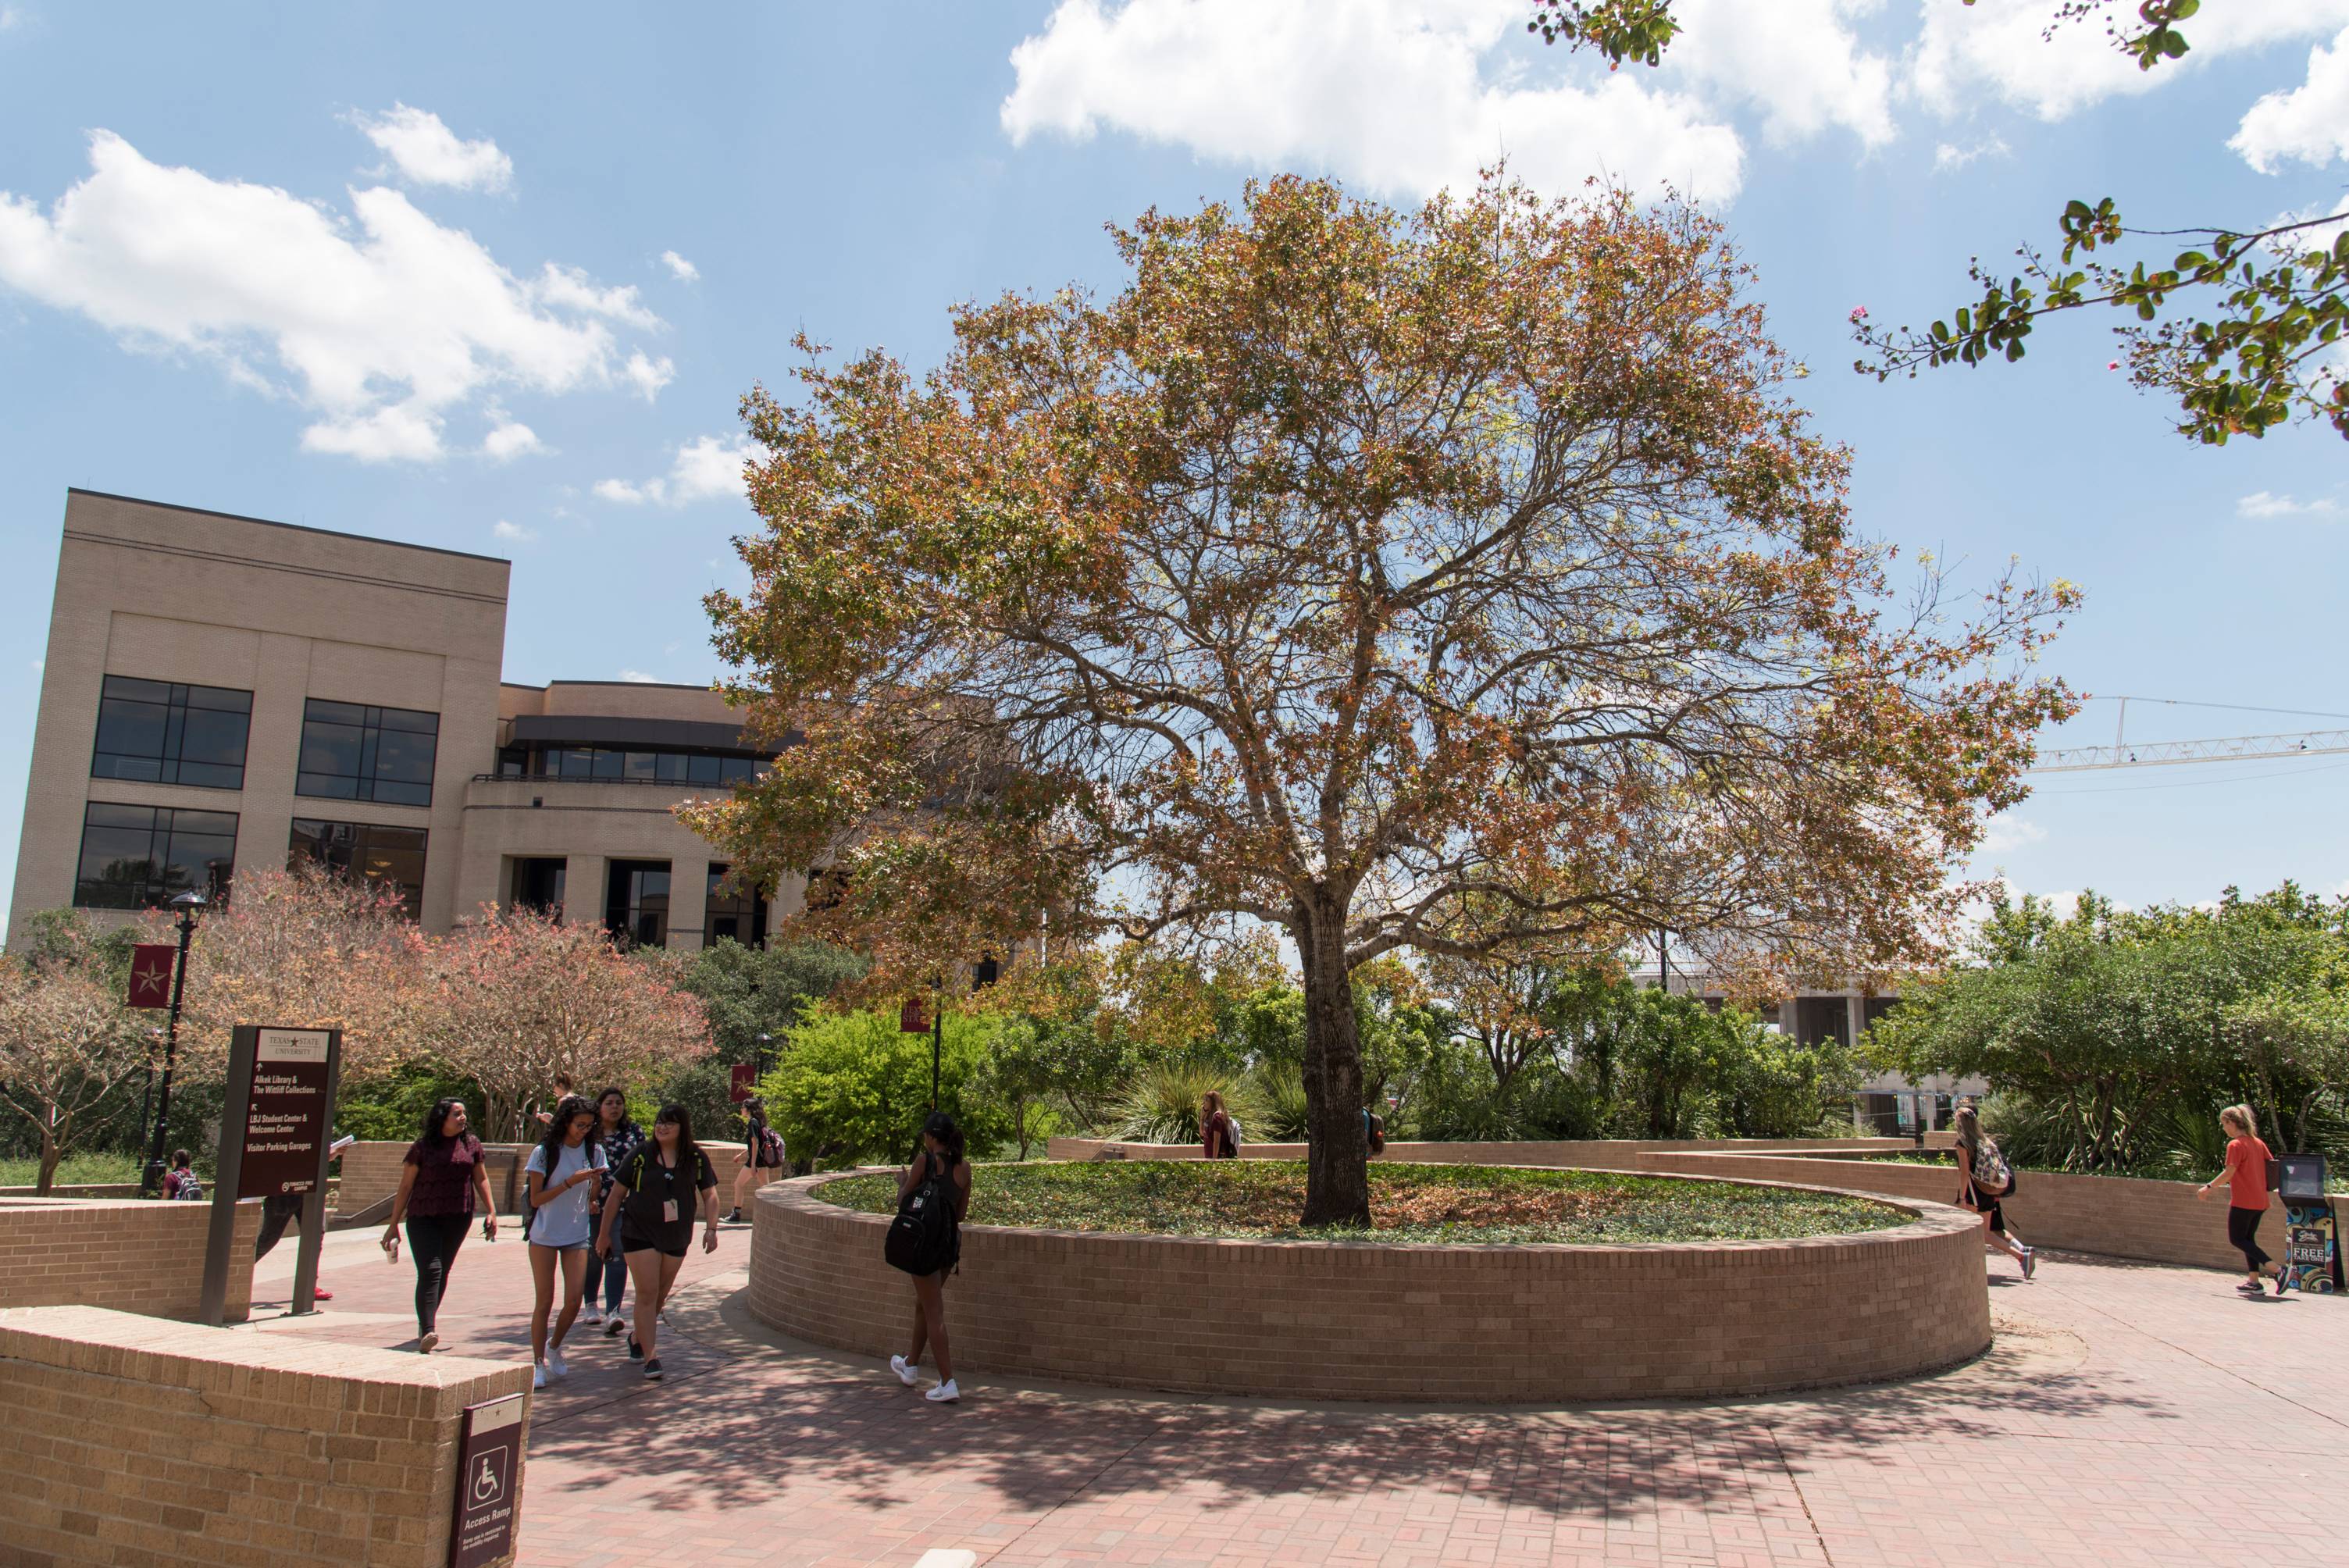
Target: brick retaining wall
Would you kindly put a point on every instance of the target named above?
(129, 1441)
(135, 1255)
(1580, 1154)
(1363, 1321)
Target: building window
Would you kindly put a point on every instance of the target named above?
(734, 917)
(135, 857)
(351, 752)
(159, 732)
(599, 762)
(538, 884)
(635, 903)
(379, 853)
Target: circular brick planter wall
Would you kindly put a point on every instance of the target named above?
(1358, 1320)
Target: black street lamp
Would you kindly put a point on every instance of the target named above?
(189, 904)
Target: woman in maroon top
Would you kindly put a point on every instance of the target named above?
(443, 1174)
(1216, 1139)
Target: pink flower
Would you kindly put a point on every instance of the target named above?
(2111, 364)
(1858, 313)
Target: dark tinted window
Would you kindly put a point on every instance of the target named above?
(636, 907)
(353, 752)
(630, 767)
(133, 857)
(394, 855)
(737, 916)
(159, 732)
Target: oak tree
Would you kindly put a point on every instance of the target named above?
(1460, 580)
(67, 1044)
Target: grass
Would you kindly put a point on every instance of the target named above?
(1448, 1204)
(73, 1170)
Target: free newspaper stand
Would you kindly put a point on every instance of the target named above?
(2312, 1251)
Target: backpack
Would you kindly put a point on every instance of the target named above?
(1376, 1135)
(771, 1148)
(924, 1236)
(191, 1189)
(1992, 1174)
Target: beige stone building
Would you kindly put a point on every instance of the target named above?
(223, 693)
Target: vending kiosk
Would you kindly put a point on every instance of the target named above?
(2312, 1251)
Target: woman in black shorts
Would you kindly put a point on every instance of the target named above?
(941, 1157)
(656, 1194)
(1981, 1199)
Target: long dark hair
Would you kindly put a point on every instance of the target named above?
(437, 1117)
(683, 1120)
(942, 1127)
(566, 1110)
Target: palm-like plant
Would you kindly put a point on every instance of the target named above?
(1161, 1106)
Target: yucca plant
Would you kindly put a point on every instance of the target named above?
(1282, 1090)
(1161, 1106)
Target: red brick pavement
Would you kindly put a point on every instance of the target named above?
(2130, 1414)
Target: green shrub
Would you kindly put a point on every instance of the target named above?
(1161, 1106)
(851, 1089)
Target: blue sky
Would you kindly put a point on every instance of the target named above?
(492, 278)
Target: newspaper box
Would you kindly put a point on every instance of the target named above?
(2312, 1252)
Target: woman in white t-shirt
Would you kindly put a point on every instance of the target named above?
(564, 1171)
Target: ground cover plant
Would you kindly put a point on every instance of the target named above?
(1451, 1203)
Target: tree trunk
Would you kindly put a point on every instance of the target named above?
(1337, 1180)
(50, 1155)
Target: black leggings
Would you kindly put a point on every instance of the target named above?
(433, 1241)
(2243, 1231)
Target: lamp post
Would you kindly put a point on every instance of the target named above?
(189, 904)
(937, 1037)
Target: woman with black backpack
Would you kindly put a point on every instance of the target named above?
(655, 1197)
(762, 1151)
(925, 1241)
(1988, 1178)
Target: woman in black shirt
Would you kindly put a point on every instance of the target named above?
(655, 1198)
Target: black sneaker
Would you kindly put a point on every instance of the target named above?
(735, 1218)
(635, 1351)
(2250, 1288)
(652, 1371)
(2280, 1284)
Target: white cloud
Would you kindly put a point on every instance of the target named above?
(381, 324)
(1796, 61)
(684, 272)
(2004, 835)
(639, 677)
(510, 438)
(428, 153)
(1995, 47)
(2310, 122)
(1947, 157)
(703, 468)
(11, 17)
(648, 375)
(2265, 503)
(1395, 95)
(512, 533)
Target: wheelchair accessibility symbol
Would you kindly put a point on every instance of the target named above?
(490, 1475)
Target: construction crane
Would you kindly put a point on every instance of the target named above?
(2122, 753)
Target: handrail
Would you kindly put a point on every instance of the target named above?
(565, 778)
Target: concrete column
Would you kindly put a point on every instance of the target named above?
(688, 903)
(583, 888)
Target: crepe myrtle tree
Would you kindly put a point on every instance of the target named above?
(1457, 580)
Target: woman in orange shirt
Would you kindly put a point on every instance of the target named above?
(2246, 1176)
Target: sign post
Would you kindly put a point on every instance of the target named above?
(489, 1467)
(272, 1144)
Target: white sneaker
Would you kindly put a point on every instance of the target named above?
(593, 1317)
(538, 1374)
(554, 1365)
(945, 1393)
(905, 1374)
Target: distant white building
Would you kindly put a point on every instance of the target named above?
(1888, 1104)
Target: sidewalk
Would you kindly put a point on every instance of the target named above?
(2130, 1414)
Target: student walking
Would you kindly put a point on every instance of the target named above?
(941, 1177)
(1988, 1178)
(443, 1174)
(655, 1198)
(762, 1150)
(180, 1181)
(561, 1173)
(279, 1209)
(1219, 1138)
(2249, 1181)
(563, 1091)
(621, 1136)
